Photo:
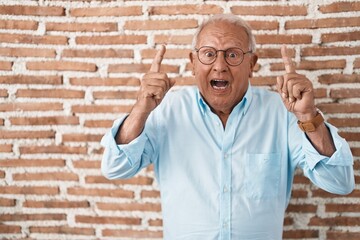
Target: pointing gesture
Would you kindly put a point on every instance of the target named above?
(156, 64)
(154, 85)
(296, 90)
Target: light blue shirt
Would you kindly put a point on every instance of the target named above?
(232, 183)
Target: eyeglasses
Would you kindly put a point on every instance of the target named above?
(233, 56)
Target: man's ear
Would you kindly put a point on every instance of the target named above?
(253, 61)
(191, 57)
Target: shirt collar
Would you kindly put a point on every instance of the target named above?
(243, 105)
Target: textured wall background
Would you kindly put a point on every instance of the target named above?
(69, 68)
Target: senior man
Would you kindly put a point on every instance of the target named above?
(224, 152)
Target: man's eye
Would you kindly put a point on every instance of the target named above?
(233, 55)
(209, 54)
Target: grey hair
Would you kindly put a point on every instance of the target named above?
(229, 18)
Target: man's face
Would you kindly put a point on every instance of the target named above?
(221, 85)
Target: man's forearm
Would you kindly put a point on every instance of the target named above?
(322, 141)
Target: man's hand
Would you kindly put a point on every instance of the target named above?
(154, 85)
(296, 90)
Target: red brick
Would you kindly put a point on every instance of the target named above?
(32, 217)
(53, 149)
(101, 108)
(355, 152)
(150, 194)
(46, 176)
(119, 182)
(132, 233)
(116, 193)
(160, 24)
(145, 207)
(140, 68)
(270, 10)
(33, 39)
(169, 54)
(6, 148)
(323, 194)
(21, 25)
(32, 10)
(80, 137)
(115, 95)
(345, 93)
(107, 220)
(56, 204)
(338, 207)
(7, 202)
(26, 79)
(63, 230)
(7, 229)
(10, 107)
(312, 65)
(6, 134)
(302, 208)
(81, 27)
(29, 190)
(335, 221)
(272, 53)
(129, 81)
(173, 39)
(55, 120)
(323, 23)
(340, 37)
(37, 163)
(111, 40)
(185, 9)
(5, 65)
(49, 93)
(2, 174)
(101, 53)
(283, 39)
(339, 107)
(62, 66)
(328, 51)
(339, 78)
(264, 25)
(350, 136)
(27, 52)
(357, 63)
(106, 11)
(86, 164)
(300, 234)
(344, 122)
(288, 221)
(263, 81)
(181, 81)
(340, 7)
(4, 93)
(298, 193)
(336, 235)
(98, 123)
(155, 222)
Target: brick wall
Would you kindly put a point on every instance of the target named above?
(69, 68)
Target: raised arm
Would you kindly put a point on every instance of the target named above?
(154, 86)
(297, 93)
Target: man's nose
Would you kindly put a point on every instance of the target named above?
(220, 65)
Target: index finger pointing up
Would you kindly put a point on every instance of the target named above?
(156, 64)
(289, 64)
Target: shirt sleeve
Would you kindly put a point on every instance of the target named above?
(334, 174)
(125, 160)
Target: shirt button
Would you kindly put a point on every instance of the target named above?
(225, 189)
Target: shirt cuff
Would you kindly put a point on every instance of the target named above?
(341, 157)
(133, 150)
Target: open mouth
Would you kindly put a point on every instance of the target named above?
(219, 84)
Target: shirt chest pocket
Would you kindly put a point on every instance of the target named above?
(262, 175)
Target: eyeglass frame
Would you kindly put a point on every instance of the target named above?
(224, 51)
